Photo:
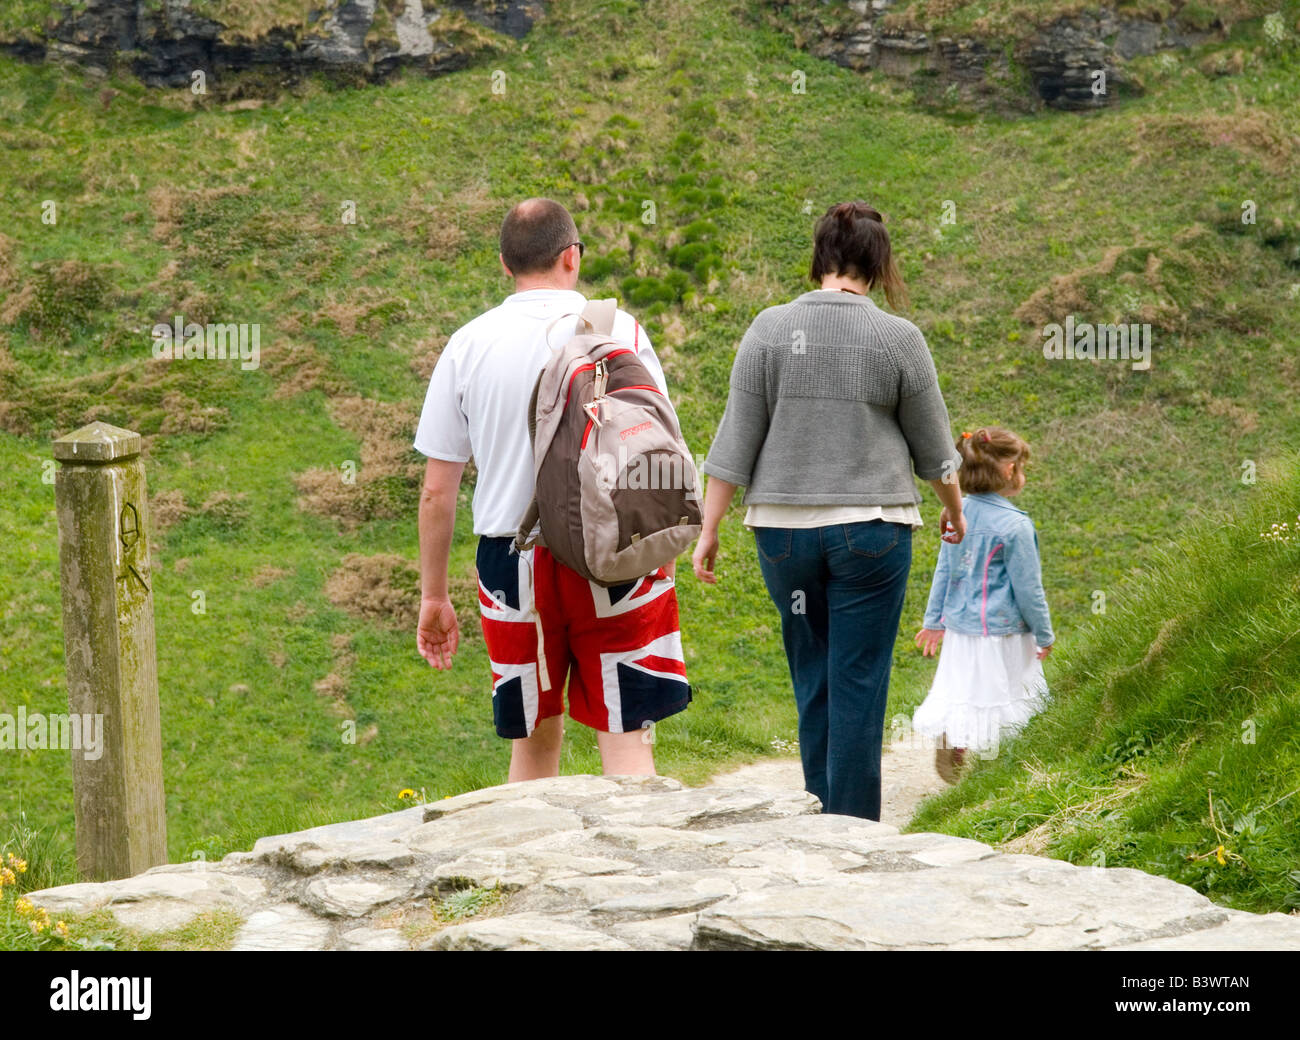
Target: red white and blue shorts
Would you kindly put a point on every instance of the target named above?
(620, 648)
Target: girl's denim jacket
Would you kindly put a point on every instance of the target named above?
(991, 584)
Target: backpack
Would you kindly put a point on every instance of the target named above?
(617, 494)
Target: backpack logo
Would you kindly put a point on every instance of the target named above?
(632, 431)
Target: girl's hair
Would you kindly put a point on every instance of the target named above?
(851, 240)
(984, 452)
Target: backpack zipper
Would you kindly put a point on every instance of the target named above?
(590, 367)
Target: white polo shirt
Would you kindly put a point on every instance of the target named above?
(477, 402)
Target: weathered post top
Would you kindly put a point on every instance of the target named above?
(108, 640)
(98, 442)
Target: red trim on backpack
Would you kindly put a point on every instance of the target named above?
(583, 368)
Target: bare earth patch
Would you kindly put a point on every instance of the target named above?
(333, 688)
(167, 509)
(383, 588)
(386, 482)
(268, 574)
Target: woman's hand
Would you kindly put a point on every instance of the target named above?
(952, 526)
(717, 497)
(1043, 651)
(928, 640)
(706, 551)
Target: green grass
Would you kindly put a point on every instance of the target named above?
(171, 203)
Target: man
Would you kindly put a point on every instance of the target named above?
(621, 646)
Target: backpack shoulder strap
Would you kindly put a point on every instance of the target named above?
(530, 517)
(599, 314)
(523, 539)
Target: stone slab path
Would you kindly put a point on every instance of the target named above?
(907, 779)
(622, 863)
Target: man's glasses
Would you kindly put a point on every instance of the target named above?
(581, 249)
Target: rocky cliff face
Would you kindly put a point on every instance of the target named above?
(166, 41)
(627, 863)
(1060, 59)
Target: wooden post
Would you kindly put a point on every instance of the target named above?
(108, 639)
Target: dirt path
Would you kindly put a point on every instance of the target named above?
(908, 777)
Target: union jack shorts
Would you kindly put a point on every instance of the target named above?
(619, 647)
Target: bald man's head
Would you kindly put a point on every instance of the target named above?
(534, 234)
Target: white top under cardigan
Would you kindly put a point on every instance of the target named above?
(771, 514)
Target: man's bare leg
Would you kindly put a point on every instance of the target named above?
(538, 756)
(626, 754)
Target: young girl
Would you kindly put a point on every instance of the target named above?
(988, 608)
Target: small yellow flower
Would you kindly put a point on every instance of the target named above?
(405, 792)
(7, 877)
(61, 930)
(1219, 854)
(24, 908)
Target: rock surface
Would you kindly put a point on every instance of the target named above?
(166, 43)
(627, 863)
(1061, 58)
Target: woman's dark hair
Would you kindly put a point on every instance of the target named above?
(983, 454)
(851, 240)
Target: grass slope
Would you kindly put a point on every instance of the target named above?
(172, 203)
(1172, 742)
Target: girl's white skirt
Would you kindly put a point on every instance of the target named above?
(985, 688)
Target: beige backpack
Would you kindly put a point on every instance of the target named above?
(616, 488)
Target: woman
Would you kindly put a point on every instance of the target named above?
(833, 404)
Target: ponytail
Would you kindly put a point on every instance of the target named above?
(984, 453)
(851, 240)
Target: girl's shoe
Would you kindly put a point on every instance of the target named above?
(950, 762)
(944, 763)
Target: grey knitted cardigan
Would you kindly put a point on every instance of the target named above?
(833, 401)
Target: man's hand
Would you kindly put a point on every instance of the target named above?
(1043, 651)
(928, 640)
(438, 633)
(706, 552)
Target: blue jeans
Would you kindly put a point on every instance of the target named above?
(840, 593)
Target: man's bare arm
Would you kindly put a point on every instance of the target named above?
(438, 633)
